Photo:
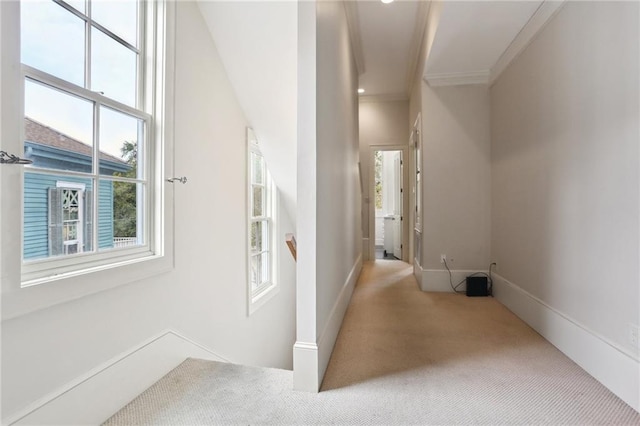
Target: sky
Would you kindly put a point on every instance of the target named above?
(53, 40)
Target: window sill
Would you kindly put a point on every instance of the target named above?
(262, 298)
(34, 296)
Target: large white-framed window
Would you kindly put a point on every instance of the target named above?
(262, 206)
(34, 284)
(89, 101)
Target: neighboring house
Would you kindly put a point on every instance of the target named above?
(58, 209)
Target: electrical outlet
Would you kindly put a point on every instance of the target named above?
(443, 258)
(633, 336)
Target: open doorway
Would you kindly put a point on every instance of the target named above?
(388, 201)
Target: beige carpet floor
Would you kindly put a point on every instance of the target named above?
(402, 357)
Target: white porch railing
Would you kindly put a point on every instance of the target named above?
(119, 242)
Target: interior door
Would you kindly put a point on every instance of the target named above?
(398, 214)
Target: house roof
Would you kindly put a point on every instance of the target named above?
(39, 133)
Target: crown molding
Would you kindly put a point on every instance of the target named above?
(457, 78)
(417, 41)
(394, 97)
(353, 22)
(547, 10)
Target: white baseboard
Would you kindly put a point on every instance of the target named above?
(365, 250)
(95, 396)
(327, 338)
(305, 367)
(438, 279)
(613, 366)
(417, 272)
(310, 359)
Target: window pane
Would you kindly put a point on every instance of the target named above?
(52, 40)
(264, 263)
(79, 5)
(58, 215)
(257, 168)
(120, 214)
(58, 129)
(119, 17)
(113, 68)
(257, 234)
(256, 271)
(258, 201)
(120, 142)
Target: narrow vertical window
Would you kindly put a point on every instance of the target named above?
(262, 208)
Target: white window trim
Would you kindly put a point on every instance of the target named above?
(71, 185)
(258, 298)
(20, 300)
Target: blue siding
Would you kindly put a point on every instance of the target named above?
(36, 213)
(54, 158)
(105, 214)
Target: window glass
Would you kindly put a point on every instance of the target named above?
(119, 17)
(258, 237)
(87, 189)
(52, 40)
(58, 129)
(120, 214)
(261, 225)
(258, 200)
(256, 272)
(257, 168)
(78, 5)
(113, 68)
(120, 143)
(58, 217)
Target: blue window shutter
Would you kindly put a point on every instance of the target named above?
(88, 221)
(56, 243)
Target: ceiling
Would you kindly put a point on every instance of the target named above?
(470, 38)
(257, 42)
(387, 31)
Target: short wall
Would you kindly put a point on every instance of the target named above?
(95, 396)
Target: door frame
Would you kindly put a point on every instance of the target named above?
(405, 199)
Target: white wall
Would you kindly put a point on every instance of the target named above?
(204, 297)
(456, 181)
(257, 42)
(565, 165)
(211, 214)
(328, 186)
(415, 112)
(380, 123)
(338, 186)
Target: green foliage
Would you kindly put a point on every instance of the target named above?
(124, 195)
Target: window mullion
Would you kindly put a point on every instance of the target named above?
(81, 92)
(87, 47)
(96, 175)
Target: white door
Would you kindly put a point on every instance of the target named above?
(399, 192)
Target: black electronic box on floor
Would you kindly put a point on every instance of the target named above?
(477, 287)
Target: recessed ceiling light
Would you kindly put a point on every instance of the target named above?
(360, 90)
(386, 1)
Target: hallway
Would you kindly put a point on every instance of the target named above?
(402, 357)
(468, 356)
